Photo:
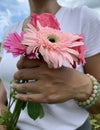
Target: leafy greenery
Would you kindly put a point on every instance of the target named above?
(95, 121)
(9, 119)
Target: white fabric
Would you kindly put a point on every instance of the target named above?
(68, 115)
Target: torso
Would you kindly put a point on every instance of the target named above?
(56, 115)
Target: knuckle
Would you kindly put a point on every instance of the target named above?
(19, 75)
(49, 99)
(52, 99)
(24, 88)
(20, 63)
(29, 99)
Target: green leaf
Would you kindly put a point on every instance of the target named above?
(41, 111)
(35, 110)
(24, 105)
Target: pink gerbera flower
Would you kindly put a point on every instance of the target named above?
(45, 19)
(56, 47)
(43, 37)
(13, 45)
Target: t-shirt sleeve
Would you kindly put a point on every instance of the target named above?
(91, 31)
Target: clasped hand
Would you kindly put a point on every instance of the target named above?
(47, 85)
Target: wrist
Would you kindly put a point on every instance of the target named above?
(85, 89)
(91, 100)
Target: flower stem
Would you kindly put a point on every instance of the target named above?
(15, 115)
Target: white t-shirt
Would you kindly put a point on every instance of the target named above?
(68, 115)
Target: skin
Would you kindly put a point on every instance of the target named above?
(3, 100)
(50, 84)
(56, 85)
(41, 6)
(53, 85)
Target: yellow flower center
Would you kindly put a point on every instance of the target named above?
(53, 38)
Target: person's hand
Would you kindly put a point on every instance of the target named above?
(50, 85)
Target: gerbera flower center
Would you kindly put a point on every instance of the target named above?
(52, 38)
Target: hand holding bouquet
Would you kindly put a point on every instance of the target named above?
(41, 38)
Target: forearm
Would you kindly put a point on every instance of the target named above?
(3, 95)
(93, 67)
(85, 94)
(3, 100)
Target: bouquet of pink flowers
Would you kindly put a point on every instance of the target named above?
(41, 38)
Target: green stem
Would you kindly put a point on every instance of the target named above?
(11, 103)
(15, 115)
(17, 109)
